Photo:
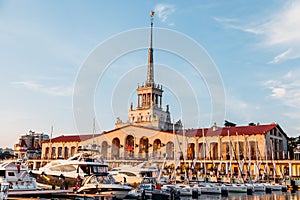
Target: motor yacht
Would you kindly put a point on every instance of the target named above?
(64, 172)
(134, 174)
(103, 183)
(15, 173)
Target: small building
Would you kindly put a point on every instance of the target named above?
(30, 145)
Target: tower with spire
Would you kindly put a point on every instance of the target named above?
(149, 111)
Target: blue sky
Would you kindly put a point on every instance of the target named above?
(255, 46)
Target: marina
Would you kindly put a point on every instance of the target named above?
(149, 155)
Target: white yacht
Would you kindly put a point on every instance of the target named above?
(103, 184)
(15, 173)
(65, 172)
(134, 174)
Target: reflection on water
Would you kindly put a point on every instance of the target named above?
(257, 196)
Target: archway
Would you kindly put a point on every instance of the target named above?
(104, 148)
(144, 147)
(213, 151)
(129, 146)
(191, 151)
(156, 148)
(115, 149)
(47, 152)
(66, 153)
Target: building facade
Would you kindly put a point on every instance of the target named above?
(63, 147)
(149, 133)
(30, 145)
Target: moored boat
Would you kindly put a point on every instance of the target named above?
(236, 188)
(64, 172)
(103, 184)
(15, 173)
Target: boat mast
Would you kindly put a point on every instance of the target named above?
(272, 154)
(51, 133)
(238, 155)
(204, 151)
(249, 160)
(230, 156)
(175, 152)
(185, 152)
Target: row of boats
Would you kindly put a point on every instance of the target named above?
(87, 174)
(149, 187)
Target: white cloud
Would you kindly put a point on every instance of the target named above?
(163, 11)
(286, 89)
(281, 56)
(50, 90)
(280, 29)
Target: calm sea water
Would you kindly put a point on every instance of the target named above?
(257, 196)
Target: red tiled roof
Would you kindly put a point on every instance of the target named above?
(223, 131)
(71, 138)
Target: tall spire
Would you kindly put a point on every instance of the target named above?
(150, 72)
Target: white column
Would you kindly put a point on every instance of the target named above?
(290, 169)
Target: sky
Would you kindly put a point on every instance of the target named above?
(250, 70)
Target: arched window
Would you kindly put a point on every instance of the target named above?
(214, 150)
(144, 147)
(115, 149)
(202, 150)
(66, 152)
(225, 151)
(47, 153)
(53, 153)
(156, 148)
(191, 151)
(73, 150)
(104, 148)
(129, 146)
(59, 154)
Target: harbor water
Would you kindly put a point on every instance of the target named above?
(257, 196)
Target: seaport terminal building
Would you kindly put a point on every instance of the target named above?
(149, 134)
